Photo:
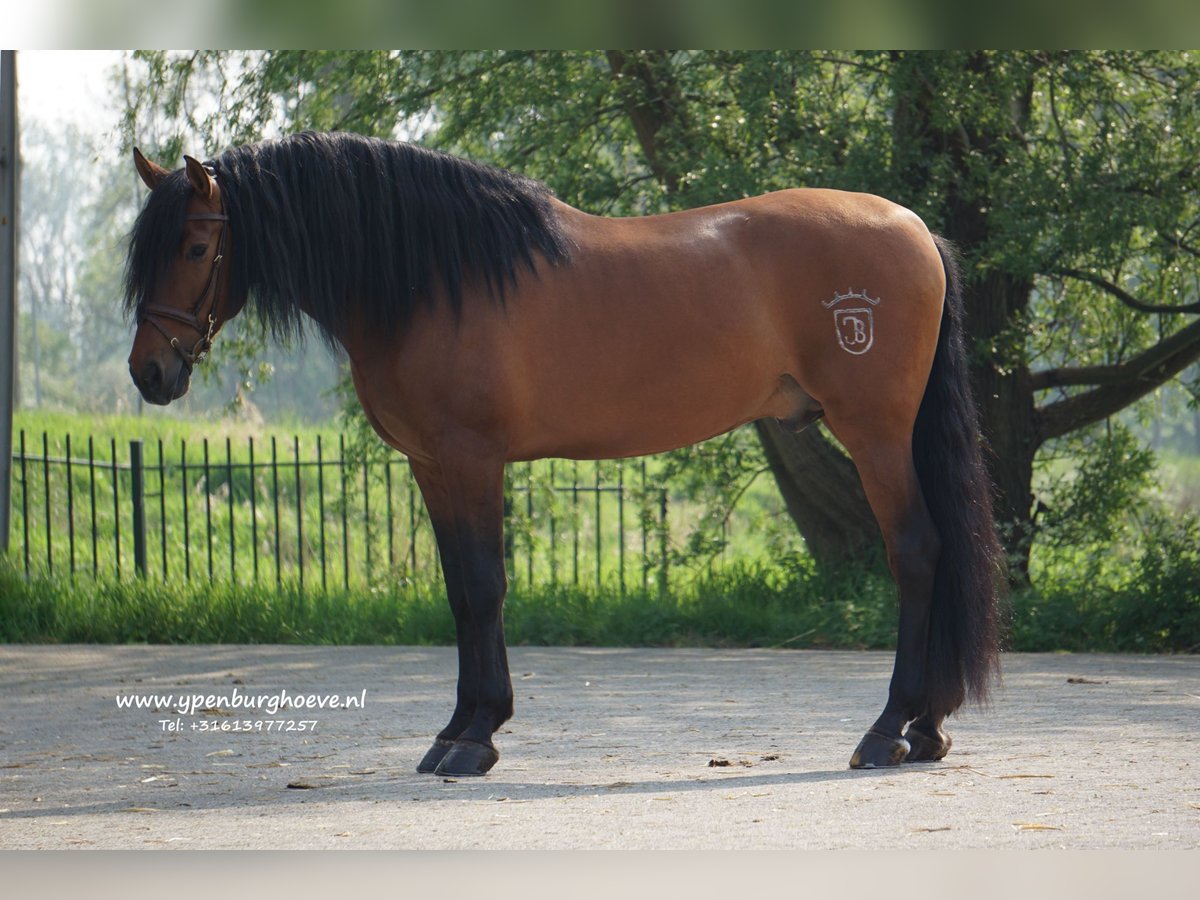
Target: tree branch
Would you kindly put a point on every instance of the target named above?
(660, 106)
(1081, 375)
(1127, 298)
(1117, 386)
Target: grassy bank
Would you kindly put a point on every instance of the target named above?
(735, 608)
(750, 608)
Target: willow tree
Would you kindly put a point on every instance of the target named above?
(1068, 181)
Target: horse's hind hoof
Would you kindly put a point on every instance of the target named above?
(434, 755)
(926, 745)
(878, 751)
(467, 758)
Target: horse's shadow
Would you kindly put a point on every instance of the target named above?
(425, 788)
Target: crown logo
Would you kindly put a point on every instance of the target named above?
(849, 295)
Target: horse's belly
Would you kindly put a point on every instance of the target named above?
(615, 418)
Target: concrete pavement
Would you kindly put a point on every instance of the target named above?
(628, 748)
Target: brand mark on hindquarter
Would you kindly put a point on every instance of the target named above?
(855, 327)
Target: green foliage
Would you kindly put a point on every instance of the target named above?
(1089, 505)
(1146, 600)
(1114, 567)
(1159, 610)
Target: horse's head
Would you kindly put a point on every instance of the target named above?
(175, 280)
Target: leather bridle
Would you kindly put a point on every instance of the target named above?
(153, 311)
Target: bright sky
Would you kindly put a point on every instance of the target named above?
(67, 86)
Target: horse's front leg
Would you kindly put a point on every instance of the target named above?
(464, 492)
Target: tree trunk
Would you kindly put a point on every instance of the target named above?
(994, 300)
(822, 492)
(1008, 417)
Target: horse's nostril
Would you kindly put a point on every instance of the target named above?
(152, 376)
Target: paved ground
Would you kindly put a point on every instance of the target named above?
(609, 748)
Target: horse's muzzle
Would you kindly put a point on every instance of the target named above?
(159, 385)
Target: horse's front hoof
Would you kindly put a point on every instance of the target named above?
(467, 758)
(877, 751)
(434, 755)
(925, 744)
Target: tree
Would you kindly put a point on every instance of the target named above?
(1067, 180)
(52, 246)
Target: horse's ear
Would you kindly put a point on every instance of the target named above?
(201, 181)
(151, 173)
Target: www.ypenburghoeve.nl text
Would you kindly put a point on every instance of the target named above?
(270, 703)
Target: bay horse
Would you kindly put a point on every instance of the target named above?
(487, 322)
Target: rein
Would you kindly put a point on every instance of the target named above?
(153, 311)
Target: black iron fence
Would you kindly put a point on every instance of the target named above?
(263, 511)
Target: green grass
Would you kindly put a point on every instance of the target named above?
(1158, 610)
(740, 607)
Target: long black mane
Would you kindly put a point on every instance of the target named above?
(362, 230)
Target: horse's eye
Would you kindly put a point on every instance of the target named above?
(196, 252)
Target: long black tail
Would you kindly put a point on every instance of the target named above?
(964, 645)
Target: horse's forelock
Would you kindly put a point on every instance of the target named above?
(154, 239)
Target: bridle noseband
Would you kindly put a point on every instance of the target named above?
(151, 311)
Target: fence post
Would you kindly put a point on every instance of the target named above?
(9, 186)
(137, 496)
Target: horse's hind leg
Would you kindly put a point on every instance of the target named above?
(890, 481)
(464, 494)
(926, 739)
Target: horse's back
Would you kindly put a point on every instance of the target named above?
(665, 330)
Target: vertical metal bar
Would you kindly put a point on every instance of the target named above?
(10, 184)
(412, 523)
(321, 506)
(299, 513)
(644, 516)
(662, 540)
(575, 519)
(345, 525)
(46, 489)
(253, 510)
(25, 507)
(387, 477)
(70, 512)
(621, 524)
(598, 496)
(162, 507)
(208, 511)
(275, 497)
(116, 508)
(229, 477)
(529, 523)
(366, 518)
(92, 491)
(510, 567)
(553, 528)
(137, 501)
(187, 531)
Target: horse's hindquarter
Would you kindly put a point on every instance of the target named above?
(666, 330)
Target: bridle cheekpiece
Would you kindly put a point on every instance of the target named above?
(153, 311)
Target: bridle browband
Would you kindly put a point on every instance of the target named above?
(152, 311)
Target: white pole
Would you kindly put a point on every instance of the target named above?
(9, 165)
